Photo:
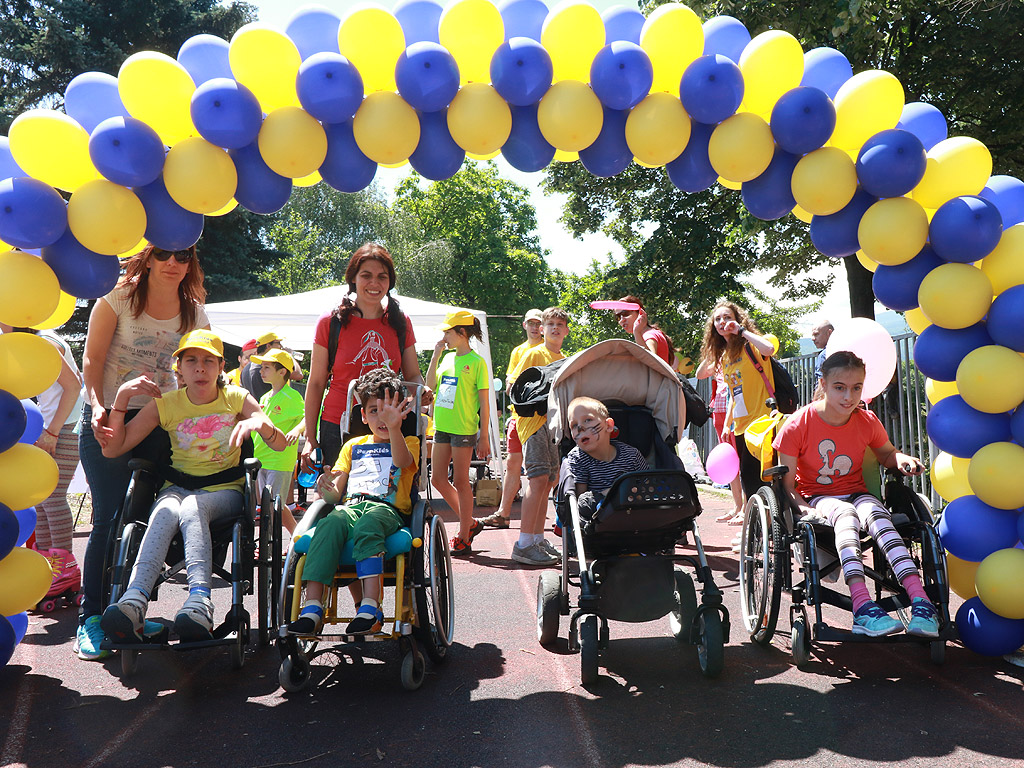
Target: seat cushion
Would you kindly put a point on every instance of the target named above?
(397, 543)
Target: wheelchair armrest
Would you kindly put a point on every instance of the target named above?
(778, 471)
(142, 464)
(252, 466)
(312, 515)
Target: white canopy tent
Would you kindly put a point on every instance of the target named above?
(294, 319)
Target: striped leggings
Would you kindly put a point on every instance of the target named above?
(55, 525)
(848, 515)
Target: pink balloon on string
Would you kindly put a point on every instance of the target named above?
(869, 341)
(723, 464)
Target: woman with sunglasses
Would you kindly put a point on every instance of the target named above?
(133, 331)
(644, 333)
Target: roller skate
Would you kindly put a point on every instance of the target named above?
(67, 581)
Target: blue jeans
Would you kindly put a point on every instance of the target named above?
(108, 482)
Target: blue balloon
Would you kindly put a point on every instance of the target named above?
(622, 23)
(897, 286)
(1006, 318)
(330, 87)
(437, 156)
(986, 632)
(26, 524)
(205, 57)
(770, 195)
(91, 98)
(9, 530)
(523, 18)
(692, 171)
(836, 234)
(1007, 193)
(260, 190)
(13, 420)
(938, 351)
(1017, 430)
(725, 36)
(609, 154)
(521, 71)
(7, 641)
(924, 121)
(314, 30)
(891, 163)
(127, 151)
(345, 168)
(427, 76)
(168, 226)
(20, 623)
(972, 530)
(711, 88)
(526, 148)
(965, 229)
(33, 423)
(226, 113)
(32, 213)
(803, 120)
(962, 431)
(826, 69)
(79, 271)
(419, 20)
(621, 75)
(8, 168)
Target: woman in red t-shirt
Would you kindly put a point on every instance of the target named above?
(644, 333)
(370, 338)
(823, 445)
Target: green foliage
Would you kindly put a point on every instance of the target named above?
(304, 267)
(235, 258)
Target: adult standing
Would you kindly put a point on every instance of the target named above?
(820, 334)
(133, 331)
(648, 335)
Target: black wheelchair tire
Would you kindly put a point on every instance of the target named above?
(294, 673)
(264, 582)
(711, 644)
(549, 598)
(126, 551)
(761, 551)
(435, 600)
(680, 619)
(588, 650)
(800, 643)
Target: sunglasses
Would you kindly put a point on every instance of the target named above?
(182, 257)
(624, 313)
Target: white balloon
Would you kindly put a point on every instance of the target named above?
(869, 341)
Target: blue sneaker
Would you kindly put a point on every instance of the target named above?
(872, 621)
(152, 630)
(88, 639)
(924, 621)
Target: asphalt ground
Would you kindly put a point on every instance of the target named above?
(502, 700)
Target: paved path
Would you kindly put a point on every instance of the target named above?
(502, 700)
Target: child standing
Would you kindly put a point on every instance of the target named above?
(823, 444)
(208, 420)
(284, 407)
(461, 382)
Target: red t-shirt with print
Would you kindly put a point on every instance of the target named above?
(829, 459)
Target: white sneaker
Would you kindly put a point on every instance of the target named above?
(533, 555)
(194, 621)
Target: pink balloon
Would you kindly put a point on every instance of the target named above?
(723, 464)
(870, 342)
(627, 306)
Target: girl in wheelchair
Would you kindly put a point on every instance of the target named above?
(823, 445)
(207, 420)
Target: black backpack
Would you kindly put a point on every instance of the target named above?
(697, 411)
(529, 393)
(787, 400)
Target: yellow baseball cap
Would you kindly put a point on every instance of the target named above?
(275, 356)
(266, 338)
(455, 319)
(201, 339)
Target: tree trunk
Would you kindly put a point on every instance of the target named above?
(862, 296)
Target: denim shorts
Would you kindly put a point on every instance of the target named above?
(456, 441)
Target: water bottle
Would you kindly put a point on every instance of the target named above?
(308, 479)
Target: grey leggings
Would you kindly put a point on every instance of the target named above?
(190, 512)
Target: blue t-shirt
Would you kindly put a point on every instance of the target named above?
(599, 475)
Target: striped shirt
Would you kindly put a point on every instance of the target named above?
(599, 475)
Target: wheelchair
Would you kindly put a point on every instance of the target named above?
(253, 537)
(780, 551)
(417, 567)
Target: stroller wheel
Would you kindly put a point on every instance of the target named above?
(711, 644)
(588, 650)
(549, 595)
(680, 620)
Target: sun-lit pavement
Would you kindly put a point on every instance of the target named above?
(502, 700)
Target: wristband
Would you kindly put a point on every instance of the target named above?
(119, 410)
(50, 433)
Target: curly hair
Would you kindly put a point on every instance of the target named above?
(191, 292)
(393, 315)
(715, 345)
(378, 383)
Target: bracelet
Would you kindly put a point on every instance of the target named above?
(119, 410)
(50, 433)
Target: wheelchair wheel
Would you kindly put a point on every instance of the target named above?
(265, 587)
(126, 551)
(129, 661)
(761, 562)
(800, 643)
(414, 668)
(549, 598)
(711, 643)
(680, 620)
(294, 673)
(588, 650)
(435, 601)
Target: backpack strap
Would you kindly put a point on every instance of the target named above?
(335, 332)
(760, 369)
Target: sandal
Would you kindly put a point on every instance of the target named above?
(724, 518)
(495, 520)
(460, 547)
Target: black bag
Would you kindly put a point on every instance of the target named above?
(787, 399)
(697, 411)
(529, 393)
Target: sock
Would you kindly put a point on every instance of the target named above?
(912, 583)
(368, 606)
(538, 538)
(859, 593)
(525, 540)
(312, 607)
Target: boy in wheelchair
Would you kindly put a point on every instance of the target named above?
(823, 446)
(372, 484)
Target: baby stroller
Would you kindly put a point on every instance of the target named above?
(628, 565)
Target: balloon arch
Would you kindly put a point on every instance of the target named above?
(148, 154)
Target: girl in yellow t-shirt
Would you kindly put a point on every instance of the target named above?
(207, 420)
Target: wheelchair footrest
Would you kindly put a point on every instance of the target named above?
(829, 634)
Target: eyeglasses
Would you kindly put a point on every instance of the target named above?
(182, 257)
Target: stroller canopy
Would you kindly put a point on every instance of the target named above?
(618, 369)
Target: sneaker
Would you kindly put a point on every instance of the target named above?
(459, 546)
(550, 548)
(88, 639)
(122, 622)
(1016, 658)
(309, 623)
(533, 555)
(365, 623)
(194, 622)
(924, 621)
(872, 621)
(496, 520)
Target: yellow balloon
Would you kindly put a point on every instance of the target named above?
(129, 252)
(199, 176)
(733, 185)
(573, 33)
(570, 116)
(106, 217)
(562, 156)
(308, 181)
(231, 205)
(893, 231)
(939, 390)
(867, 103)
(266, 62)
(741, 147)
(372, 39)
(479, 120)
(52, 147)
(29, 290)
(772, 63)
(955, 295)
(1005, 265)
(999, 581)
(386, 129)
(28, 365)
(472, 30)
(961, 576)
(66, 304)
(658, 129)
(824, 181)
(994, 474)
(956, 166)
(916, 319)
(804, 215)
(28, 475)
(400, 164)
(292, 142)
(991, 379)
(158, 90)
(26, 578)
(949, 476)
(488, 156)
(866, 261)
(673, 38)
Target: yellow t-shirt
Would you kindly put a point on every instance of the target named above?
(200, 433)
(538, 355)
(746, 387)
(371, 471)
(234, 376)
(515, 359)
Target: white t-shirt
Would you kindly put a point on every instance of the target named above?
(141, 346)
(48, 400)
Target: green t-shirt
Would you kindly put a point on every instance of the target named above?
(457, 403)
(285, 410)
